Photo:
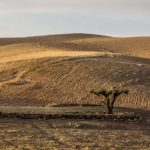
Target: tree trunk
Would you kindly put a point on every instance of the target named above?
(111, 105)
(109, 108)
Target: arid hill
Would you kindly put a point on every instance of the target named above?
(62, 69)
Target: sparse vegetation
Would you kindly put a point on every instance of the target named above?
(110, 96)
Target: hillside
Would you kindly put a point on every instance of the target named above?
(62, 69)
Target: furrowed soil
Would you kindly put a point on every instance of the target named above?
(60, 70)
(63, 69)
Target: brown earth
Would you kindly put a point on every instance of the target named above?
(59, 134)
(74, 134)
(62, 69)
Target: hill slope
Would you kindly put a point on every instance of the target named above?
(62, 69)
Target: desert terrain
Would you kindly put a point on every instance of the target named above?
(62, 69)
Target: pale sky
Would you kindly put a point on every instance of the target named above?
(44, 17)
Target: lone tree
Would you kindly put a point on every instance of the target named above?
(110, 96)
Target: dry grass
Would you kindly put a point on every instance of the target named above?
(62, 69)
